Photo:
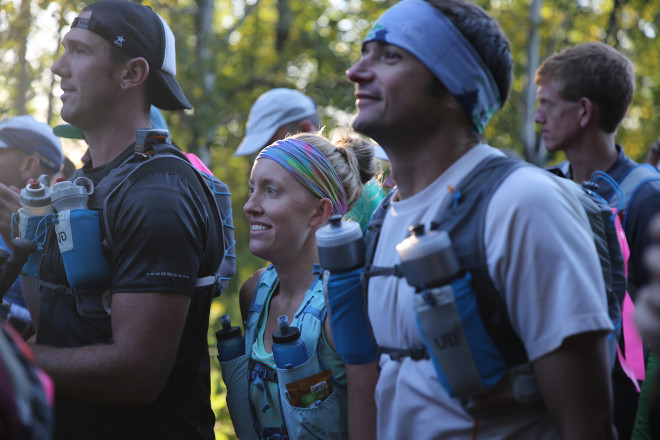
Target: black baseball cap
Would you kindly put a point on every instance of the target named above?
(141, 32)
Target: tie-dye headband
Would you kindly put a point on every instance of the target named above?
(311, 168)
(425, 32)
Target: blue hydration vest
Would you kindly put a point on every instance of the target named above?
(245, 376)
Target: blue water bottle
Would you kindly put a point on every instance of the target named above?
(288, 349)
(341, 254)
(79, 236)
(230, 341)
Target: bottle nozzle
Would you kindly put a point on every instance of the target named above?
(335, 220)
(34, 184)
(225, 320)
(416, 230)
(283, 322)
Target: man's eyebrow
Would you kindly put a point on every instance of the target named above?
(78, 41)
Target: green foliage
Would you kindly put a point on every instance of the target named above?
(231, 51)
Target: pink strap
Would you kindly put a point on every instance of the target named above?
(48, 386)
(633, 363)
(197, 163)
(634, 359)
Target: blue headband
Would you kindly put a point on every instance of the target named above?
(311, 168)
(425, 32)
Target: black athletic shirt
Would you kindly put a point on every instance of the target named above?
(164, 238)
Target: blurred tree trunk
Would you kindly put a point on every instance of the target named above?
(22, 30)
(53, 81)
(533, 149)
(613, 26)
(285, 18)
(200, 141)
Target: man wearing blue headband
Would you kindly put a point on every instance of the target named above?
(511, 341)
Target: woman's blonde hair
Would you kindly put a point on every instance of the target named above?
(351, 157)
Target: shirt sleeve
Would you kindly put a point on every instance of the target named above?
(541, 253)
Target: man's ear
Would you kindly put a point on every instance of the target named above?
(30, 168)
(134, 73)
(322, 212)
(586, 111)
(307, 126)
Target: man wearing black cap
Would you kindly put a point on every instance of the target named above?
(129, 355)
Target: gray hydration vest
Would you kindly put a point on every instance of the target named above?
(464, 220)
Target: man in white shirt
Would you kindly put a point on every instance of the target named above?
(431, 75)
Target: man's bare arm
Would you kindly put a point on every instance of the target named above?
(134, 368)
(575, 384)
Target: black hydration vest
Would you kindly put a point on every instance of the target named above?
(151, 155)
(82, 317)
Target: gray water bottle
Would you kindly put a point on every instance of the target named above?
(68, 195)
(427, 257)
(429, 264)
(340, 245)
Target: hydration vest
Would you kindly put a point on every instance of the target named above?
(624, 191)
(244, 376)
(151, 155)
(464, 220)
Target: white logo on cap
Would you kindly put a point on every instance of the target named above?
(119, 41)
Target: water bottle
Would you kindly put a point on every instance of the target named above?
(79, 238)
(230, 341)
(35, 205)
(427, 258)
(447, 314)
(68, 195)
(340, 245)
(288, 349)
(34, 219)
(35, 198)
(341, 253)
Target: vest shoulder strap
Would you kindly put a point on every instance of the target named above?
(309, 318)
(166, 160)
(464, 221)
(633, 180)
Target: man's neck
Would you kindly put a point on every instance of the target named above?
(109, 140)
(598, 153)
(416, 162)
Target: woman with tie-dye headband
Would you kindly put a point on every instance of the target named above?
(296, 184)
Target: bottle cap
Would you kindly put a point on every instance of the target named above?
(37, 192)
(421, 243)
(227, 331)
(82, 186)
(285, 333)
(338, 232)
